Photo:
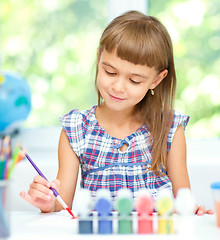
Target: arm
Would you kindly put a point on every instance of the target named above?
(68, 171)
(177, 167)
(39, 193)
(176, 162)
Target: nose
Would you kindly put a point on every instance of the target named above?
(118, 85)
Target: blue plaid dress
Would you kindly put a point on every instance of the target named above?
(103, 165)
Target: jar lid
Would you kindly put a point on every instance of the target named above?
(215, 185)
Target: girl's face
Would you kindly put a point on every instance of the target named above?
(123, 84)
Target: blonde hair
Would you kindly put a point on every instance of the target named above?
(144, 40)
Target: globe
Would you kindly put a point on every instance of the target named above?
(15, 102)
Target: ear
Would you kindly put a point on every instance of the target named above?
(159, 78)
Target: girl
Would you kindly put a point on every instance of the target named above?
(133, 138)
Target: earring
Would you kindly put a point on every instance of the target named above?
(152, 92)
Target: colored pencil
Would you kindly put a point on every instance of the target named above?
(5, 155)
(2, 164)
(56, 194)
(8, 152)
(2, 161)
(15, 158)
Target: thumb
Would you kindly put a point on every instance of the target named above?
(55, 184)
(27, 197)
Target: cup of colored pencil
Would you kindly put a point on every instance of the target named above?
(4, 209)
(8, 160)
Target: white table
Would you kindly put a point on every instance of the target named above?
(35, 225)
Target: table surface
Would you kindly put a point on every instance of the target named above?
(34, 225)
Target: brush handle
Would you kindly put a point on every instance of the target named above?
(56, 194)
(60, 200)
(39, 172)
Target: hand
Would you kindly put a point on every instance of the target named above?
(201, 210)
(40, 195)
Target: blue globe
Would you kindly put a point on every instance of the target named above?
(15, 102)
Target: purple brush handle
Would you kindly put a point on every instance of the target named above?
(39, 172)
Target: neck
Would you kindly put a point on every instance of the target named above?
(116, 117)
(119, 124)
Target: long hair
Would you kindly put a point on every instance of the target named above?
(144, 40)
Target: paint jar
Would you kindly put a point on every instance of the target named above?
(103, 206)
(124, 206)
(216, 196)
(4, 209)
(85, 217)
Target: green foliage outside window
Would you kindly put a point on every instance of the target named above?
(195, 31)
(52, 43)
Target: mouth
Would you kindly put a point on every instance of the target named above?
(116, 98)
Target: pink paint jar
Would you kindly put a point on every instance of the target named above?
(216, 195)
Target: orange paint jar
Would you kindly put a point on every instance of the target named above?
(216, 195)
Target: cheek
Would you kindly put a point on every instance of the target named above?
(140, 91)
(143, 94)
(101, 80)
(139, 94)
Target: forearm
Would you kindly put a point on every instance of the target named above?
(176, 162)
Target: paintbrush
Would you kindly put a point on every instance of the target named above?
(56, 194)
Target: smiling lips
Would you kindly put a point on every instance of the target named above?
(116, 98)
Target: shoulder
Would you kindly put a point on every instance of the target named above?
(74, 125)
(77, 116)
(178, 119)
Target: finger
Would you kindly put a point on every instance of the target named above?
(201, 210)
(55, 184)
(27, 197)
(35, 193)
(39, 179)
(41, 188)
(210, 211)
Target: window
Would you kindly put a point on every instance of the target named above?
(194, 28)
(53, 45)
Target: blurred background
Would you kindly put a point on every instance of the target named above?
(52, 44)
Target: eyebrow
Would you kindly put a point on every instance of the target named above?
(133, 74)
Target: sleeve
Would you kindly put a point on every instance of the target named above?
(178, 119)
(72, 125)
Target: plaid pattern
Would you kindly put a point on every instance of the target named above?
(103, 165)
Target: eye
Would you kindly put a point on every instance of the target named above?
(110, 73)
(134, 82)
